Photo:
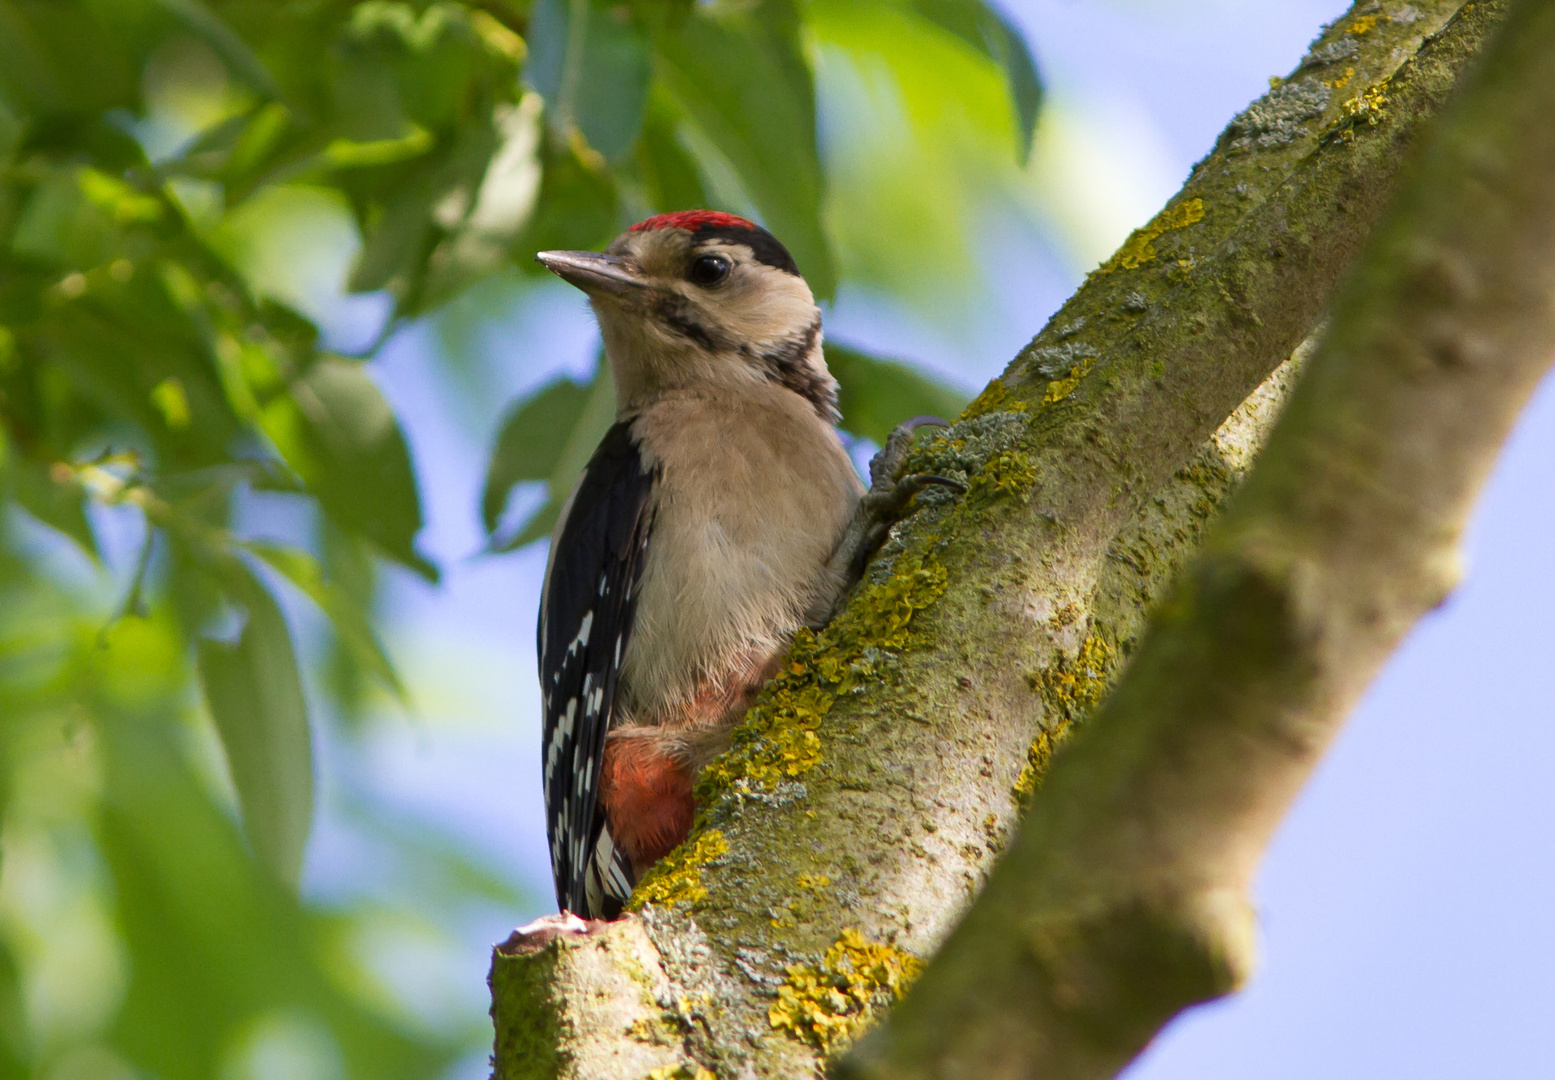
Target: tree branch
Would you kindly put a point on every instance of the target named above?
(1124, 897)
(874, 781)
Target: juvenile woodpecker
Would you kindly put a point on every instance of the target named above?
(716, 517)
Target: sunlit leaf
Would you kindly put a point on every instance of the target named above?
(255, 696)
(991, 32)
(359, 465)
(919, 156)
(592, 71)
(349, 618)
(876, 394)
(479, 241)
(739, 77)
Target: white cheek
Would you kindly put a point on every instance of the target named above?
(768, 308)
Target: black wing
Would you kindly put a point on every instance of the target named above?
(585, 622)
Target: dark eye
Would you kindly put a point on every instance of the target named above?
(709, 269)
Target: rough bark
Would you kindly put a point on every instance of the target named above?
(876, 779)
(1124, 898)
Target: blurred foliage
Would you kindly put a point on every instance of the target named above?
(158, 366)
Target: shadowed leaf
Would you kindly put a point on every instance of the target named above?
(349, 618)
(593, 72)
(255, 697)
(530, 442)
(877, 394)
(358, 463)
(571, 447)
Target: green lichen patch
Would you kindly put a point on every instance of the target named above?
(969, 451)
(1366, 109)
(1363, 24)
(827, 1006)
(776, 742)
(677, 878)
(1139, 248)
(652, 1031)
(1370, 105)
(883, 616)
(1008, 474)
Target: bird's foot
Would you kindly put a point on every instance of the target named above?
(882, 506)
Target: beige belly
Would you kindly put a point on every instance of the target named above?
(752, 499)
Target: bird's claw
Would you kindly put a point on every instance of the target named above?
(884, 466)
(881, 507)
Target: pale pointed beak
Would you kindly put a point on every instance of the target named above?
(595, 273)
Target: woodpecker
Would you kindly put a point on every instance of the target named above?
(719, 514)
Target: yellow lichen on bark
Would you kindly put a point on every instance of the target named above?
(1139, 248)
(1070, 689)
(1059, 389)
(992, 397)
(677, 878)
(1038, 755)
(681, 1072)
(827, 1006)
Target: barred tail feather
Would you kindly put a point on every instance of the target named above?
(607, 880)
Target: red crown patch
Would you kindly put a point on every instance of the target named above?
(692, 220)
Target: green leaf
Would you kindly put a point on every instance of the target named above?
(59, 504)
(738, 76)
(877, 394)
(14, 1040)
(255, 697)
(991, 33)
(506, 175)
(574, 448)
(665, 165)
(228, 45)
(590, 61)
(349, 618)
(393, 252)
(357, 462)
(211, 942)
(71, 57)
(12, 129)
(577, 207)
(530, 442)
